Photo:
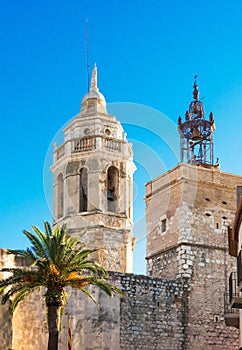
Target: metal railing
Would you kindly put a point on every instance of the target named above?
(239, 268)
(227, 308)
(233, 286)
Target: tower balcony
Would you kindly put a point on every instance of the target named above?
(231, 315)
(93, 143)
(235, 298)
(84, 144)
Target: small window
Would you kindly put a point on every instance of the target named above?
(224, 202)
(217, 225)
(207, 199)
(163, 225)
(208, 214)
(107, 132)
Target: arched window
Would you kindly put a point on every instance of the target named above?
(60, 196)
(83, 190)
(112, 189)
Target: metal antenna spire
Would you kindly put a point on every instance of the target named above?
(87, 57)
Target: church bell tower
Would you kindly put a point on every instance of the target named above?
(93, 176)
(188, 211)
(196, 133)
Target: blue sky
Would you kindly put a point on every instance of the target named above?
(147, 52)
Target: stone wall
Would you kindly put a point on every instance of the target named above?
(167, 314)
(152, 314)
(6, 319)
(30, 324)
(198, 205)
(206, 326)
(6, 327)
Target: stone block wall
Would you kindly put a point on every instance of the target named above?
(164, 265)
(152, 315)
(6, 327)
(198, 205)
(207, 285)
(155, 314)
(6, 317)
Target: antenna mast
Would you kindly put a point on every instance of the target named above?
(87, 57)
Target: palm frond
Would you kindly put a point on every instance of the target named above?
(85, 291)
(27, 254)
(37, 245)
(48, 229)
(21, 295)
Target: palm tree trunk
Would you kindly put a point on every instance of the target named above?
(54, 313)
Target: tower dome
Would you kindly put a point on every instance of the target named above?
(93, 101)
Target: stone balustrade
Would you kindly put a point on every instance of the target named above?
(89, 144)
(112, 144)
(84, 144)
(60, 152)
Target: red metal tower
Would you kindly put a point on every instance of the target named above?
(196, 133)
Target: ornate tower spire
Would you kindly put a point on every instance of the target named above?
(195, 88)
(196, 133)
(94, 79)
(93, 101)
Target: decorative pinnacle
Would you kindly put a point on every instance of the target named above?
(195, 88)
(94, 79)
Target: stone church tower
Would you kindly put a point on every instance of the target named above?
(93, 175)
(188, 211)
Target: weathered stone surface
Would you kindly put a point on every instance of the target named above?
(96, 141)
(150, 316)
(198, 204)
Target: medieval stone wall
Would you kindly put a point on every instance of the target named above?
(207, 285)
(6, 319)
(6, 327)
(164, 265)
(198, 205)
(152, 314)
(155, 314)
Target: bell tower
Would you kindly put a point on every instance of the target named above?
(188, 211)
(196, 133)
(93, 176)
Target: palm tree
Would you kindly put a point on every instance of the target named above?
(55, 261)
